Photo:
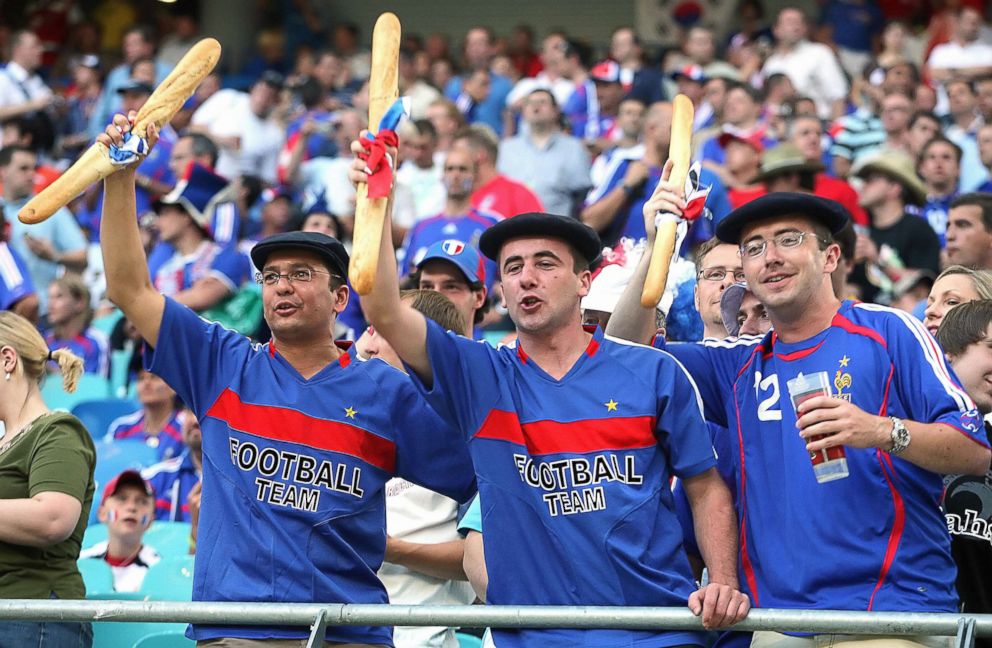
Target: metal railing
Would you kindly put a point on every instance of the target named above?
(317, 617)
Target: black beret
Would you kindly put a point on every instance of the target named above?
(535, 224)
(778, 204)
(326, 247)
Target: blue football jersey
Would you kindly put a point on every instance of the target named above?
(574, 476)
(293, 506)
(15, 280)
(874, 540)
(91, 345)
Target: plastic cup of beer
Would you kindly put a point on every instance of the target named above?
(831, 463)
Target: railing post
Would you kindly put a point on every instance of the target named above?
(318, 630)
(966, 634)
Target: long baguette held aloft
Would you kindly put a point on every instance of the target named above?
(95, 164)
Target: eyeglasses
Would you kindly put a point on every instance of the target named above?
(784, 240)
(302, 275)
(719, 274)
(460, 169)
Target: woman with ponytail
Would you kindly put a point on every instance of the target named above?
(46, 486)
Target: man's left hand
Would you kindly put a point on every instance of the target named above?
(841, 423)
(41, 248)
(719, 605)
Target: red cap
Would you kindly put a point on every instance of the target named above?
(128, 477)
(754, 139)
(606, 72)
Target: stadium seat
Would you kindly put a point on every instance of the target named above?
(90, 387)
(106, 323)
(94, 533)
(123, 635)
(113, 457)
(170, 579)
(467, 640)
(165, 640)
(169, 538)
(97, 415)
(119, 361)
(97, 577)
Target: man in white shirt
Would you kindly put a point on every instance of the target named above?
(419, 171)
(812, 67)
(553, 51)
(243, 128)
(964, 56)
(21, 90)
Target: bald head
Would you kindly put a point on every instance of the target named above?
(658, 126)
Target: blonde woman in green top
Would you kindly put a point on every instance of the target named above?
(46, 486)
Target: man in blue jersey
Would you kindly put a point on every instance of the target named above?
(873, 539)
(298, 439)
(573, 449)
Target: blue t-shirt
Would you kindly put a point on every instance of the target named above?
(490, 111)
(168, 442)
(854, 23)
(293, 506)
(629, 222)
(936, 211)
(173, 273)
(466, 228)
(573, 477)
(15, 281)
(172, 480)
(91, 345)
(875, 540)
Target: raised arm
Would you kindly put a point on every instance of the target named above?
(125, 266)
(631, 321)
(403, 327)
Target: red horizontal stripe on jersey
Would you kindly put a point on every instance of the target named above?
(291, 426)
(842, 322)
(577, 437)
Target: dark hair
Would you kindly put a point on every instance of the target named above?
(253, 186)
(554, 102)
(310, 93)
(967, 82)
(705, 248)
(846, 239)
(147, 32)
(753, 94)
(923, 114)
(435, 306)
(425, 127)
(203, 146)
(7, 153)
(982, 200)
(965, 325)
(139, 61)
(941, 139)
(480, 139)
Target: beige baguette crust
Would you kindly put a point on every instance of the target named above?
(680, 153)
(95, 165)
(371, 213)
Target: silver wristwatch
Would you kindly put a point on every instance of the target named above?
(900, 436)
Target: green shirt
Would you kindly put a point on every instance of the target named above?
(55, 454)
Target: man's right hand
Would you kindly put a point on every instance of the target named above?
(665, 199)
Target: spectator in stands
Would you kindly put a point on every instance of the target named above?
(494, 192)
(940, 168)
(17, 291)
(806, 133)
(184, 34)
(457, 271)
(69, 318)
(335, 80)
(552, 164)
(612, 207)
(22, 91)
(447, 121)
(554, 51)
(138, 43)
(226, 217)
(853, 27)
(478, 55)
(983, 88)
(156, 422)
(175, 479)
(858, 134)
(128, 509)
(742, 163)
(50, 247)
(898, 238)
(741, 111)
(952, 287)
(966, 337)
(47, 487)
(421, 93)
(87, 85)
(965, 56)
(637, 79)
(969, 231)
(784, 168)
(985, 153)
(630, 125)
(345, 38)
(718, 266)
(243, 127)
(896, 111)
(690, 81)
(458, 220)
(923, 127)
(194, 270)
(599, 128)
(963, 129)
(715, 90)
(812, 67)
(424, 552)
(154, 175)
(420, 172)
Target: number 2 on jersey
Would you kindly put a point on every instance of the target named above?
(767, 408)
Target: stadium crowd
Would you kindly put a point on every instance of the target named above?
(860, 137)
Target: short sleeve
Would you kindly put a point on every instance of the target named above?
(680, 428)
(466, 384)
(198, 359)
(230, 267)
(67, 236)
(63, 460)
